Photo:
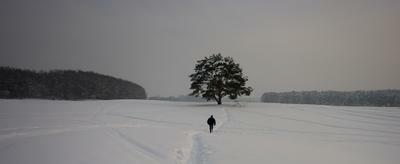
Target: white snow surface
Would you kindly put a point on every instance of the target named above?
(144, 131)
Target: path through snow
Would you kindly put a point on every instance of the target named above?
(199, 149)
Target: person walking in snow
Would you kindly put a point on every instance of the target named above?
(211, 122)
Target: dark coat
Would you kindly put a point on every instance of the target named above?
(211, 121)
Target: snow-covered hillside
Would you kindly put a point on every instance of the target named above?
(140, 131)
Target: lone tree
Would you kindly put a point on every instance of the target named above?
(216, 77)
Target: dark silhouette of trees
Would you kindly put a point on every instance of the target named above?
(65, 85)
(216, 77)
(354, 98)
(182, 98)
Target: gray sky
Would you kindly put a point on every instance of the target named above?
(282, 45)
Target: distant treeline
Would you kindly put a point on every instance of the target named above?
(65, 85)
(353, 98)
(182, 98)
(187, 98)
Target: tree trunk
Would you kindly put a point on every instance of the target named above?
(219, 101)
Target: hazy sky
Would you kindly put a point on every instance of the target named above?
(282, 45)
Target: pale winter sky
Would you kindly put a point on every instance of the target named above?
(282, 45)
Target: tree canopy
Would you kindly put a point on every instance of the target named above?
(216, 77)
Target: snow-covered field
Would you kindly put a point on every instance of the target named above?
(142, 131)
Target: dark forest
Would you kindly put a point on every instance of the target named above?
(65, 85)
(350, 98)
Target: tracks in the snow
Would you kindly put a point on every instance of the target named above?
(200, 149)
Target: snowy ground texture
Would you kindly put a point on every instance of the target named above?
(141, 132)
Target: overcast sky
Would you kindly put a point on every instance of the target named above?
(282, 45)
